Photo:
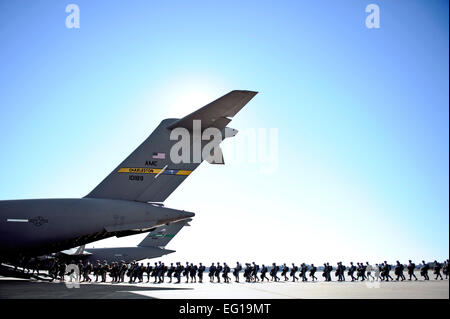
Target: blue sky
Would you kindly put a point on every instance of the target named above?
(362, 117)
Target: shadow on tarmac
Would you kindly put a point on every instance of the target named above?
(21, 289)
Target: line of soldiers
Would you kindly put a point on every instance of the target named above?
(136, 272)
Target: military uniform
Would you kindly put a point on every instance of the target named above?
(226, 270)
(218, 271)
(411, 267)
(437, 270)
(255, 272)
(312, 271)
(424, 270)
(351, 271)
(201, 270)
(193, 272)
(274, 272)
(263, 273)
(284, 272)
(170, 272)
(212, 271)
(236, 271)
(294, 269)
(444, 269)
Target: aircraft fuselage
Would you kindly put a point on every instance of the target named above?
(43, 226)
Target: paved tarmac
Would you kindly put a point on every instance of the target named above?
(19, 288)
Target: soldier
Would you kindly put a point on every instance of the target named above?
(398, 271)
(387, 268)
(112, 272)
(340, 271)
(274, 271)
(62, 270)
(411, 266)
(80, 270)
(247, 272)
(212, 271)
(358, 271)
(402, 268)
(255, 272)
(444, 269)
(304, 271)
(123, 270)
(263, 273)
(201, 269)
(170, 271)
(380, 271)
(312, 272)
(117, 269)
(53, 269)
(337, 272)
(104, 270)
(130, 271)
(87, 270)
(158, 271)
(187, 271)
(218, 271)
(162, 273)
(135, 271)
(351, 271)
(226, 270)
(154, 272)
(97, 270)
(294, 269)
(330, 270)
(178, 271)
(284, 271)
(148, 271)
(141, 271)
(236, 271)
(376, 271)
(193, 272)
(437, 270)
(363, 271)
(424, 270)
(325, 271)
(369, 269)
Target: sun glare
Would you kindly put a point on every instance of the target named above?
(187, 94)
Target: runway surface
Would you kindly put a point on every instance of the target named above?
(18, 289)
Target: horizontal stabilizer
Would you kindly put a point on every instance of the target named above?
(217, 113)
(162, 235)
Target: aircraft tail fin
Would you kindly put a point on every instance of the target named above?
(148, 174)
(162, 235)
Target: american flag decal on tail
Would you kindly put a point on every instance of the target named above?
(159, 155)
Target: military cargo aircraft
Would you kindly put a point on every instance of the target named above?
(128, 201)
